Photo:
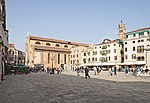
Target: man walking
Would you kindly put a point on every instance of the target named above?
(86, 72)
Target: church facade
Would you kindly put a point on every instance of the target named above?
(51, 53)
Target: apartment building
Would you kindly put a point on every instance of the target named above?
(134, 47)
(76, 56)
(106, 54)
(15, 56)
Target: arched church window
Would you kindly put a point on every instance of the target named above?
(38, 43)
(66, 46)
(57, 45)
(48, 44)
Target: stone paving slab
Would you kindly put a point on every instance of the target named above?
(62, 88)
(120, 77)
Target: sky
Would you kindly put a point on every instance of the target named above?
(85, 21)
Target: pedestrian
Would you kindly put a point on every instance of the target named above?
(95, 70)
(98, 70)
(86, 73)
(115, 70)
(78, 71)
(126, 69)
(110, 71)
(146, 70)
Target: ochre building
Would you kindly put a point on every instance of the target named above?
(50, 52)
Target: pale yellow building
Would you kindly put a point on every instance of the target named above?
(50, 52)
(76, 56)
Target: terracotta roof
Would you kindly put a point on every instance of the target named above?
(57, 41)
(112, 41)
(138, 30)
(11, 45)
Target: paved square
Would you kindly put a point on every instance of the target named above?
(61, 88)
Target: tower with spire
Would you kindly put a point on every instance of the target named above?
(121, 31)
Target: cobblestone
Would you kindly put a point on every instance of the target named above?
(61, 88)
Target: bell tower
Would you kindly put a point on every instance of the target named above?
(121, 31)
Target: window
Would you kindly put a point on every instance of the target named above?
(84, 54)
(126, 36)
(38, 43)
(140, 49)
(125, 43)
(134, 35)
(77, 55)
(115, 57)
(142, 40)
(114, 50)
(84, 60)
(109, 58)
(48, 44)
(133, 56)
(48, 58)
(88, 53)
(141, 34)
(77, 61)
(58, 58)
(120, 31)
(114, 44)
(140, 58)
(133, 41)
(65, 59)
(108, 45)
(93, 59)
(57, 45)
(94, 52)
(99, 46)
(125, 49)
(95, 47)
(66, 46)
(138, 41)
(89, 60)
(108, 52)
(126, 56)
(133, 48)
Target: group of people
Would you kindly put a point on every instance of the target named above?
(52, 70)
(114, 69)
(82, 70)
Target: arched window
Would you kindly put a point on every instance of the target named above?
(66, 46)
(57, 45)
(38, 43)
(48, 44)
(10, 51)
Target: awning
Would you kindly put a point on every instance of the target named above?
(135, 63)
(98, 64)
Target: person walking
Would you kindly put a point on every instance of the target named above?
(115, 70)
(78, 71)
(86, 73)
(95, 70)
(126, 69)
(110, 71)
